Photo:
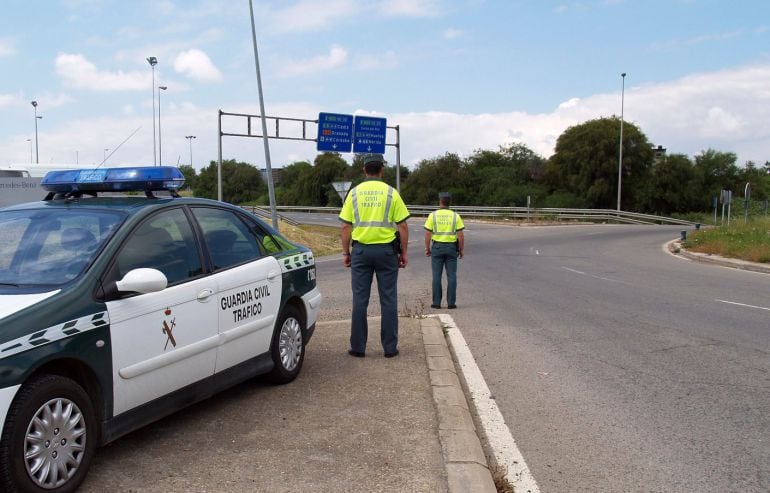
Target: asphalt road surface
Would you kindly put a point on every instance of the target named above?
(617, 366)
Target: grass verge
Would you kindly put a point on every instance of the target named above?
(750, 241)
(322, 240)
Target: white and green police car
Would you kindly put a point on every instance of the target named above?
(117, 310)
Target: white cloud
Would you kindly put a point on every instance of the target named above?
(54, 100)
(7, 100)
(337, 57)
(410, 8)
(6, 48)
(78, 72)
(723, 110)
(705, 38)
(313, 15)
(452, 33)
(308, 15)
(197, 65)
(387, 60)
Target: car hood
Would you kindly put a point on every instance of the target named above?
(12, 303)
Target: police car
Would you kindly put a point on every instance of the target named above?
(117, 310)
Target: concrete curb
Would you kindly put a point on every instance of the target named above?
(675, 247)
(466, 465)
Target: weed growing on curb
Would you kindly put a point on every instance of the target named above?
(416, 311)
(499, 476)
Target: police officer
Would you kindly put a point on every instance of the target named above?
(444, 244)
(371, 215)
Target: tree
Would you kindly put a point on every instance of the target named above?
(759, 179)
(585, 163)
(303, 184)
(431, 176)
(190, 176)
(505, 177)
(241, 182)
(670, 186)
(714, 171)
(287, 193)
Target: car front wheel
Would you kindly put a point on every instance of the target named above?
(288, 347)
(49, 437)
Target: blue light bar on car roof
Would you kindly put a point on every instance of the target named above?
(138, 178)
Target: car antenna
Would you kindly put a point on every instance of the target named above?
(119, 146)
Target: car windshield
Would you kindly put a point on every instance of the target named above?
(50, 246)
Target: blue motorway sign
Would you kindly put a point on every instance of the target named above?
(369, 135)
(335, 132)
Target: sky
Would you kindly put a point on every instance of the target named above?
(454, 75)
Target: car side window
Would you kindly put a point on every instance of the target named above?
(230, 241)
(271, 243)
(165, 242)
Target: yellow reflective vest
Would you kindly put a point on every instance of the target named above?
(373, 208)
(444, 225)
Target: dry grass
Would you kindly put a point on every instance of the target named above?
(322, 240)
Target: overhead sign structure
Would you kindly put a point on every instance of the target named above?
(369, 135)
(335, 132)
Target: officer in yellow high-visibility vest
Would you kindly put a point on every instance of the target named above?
(371, 215)
(444, 244)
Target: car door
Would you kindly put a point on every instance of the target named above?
(249, 285)
(166, 340)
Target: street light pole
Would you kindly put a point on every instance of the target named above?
(37, 151)
(265, 140)
(30, 149)
(105, 155)
(153, 61)
(190, 138)
(160, 134)
(620, 153)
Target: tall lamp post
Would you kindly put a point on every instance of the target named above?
(190, 138)
(30, 150)
(153, 61)
(620, 153)
(160, 134)
(37, 151)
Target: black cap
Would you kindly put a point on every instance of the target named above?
(373, 162)
(444, 195)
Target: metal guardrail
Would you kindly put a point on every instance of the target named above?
(524, 213)
(267, 216)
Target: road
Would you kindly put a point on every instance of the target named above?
(617, 366)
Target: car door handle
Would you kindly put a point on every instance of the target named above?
(204, 295)
(272, 275)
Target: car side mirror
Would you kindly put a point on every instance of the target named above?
(143, 281)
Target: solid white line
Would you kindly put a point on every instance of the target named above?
(743, 304)
(506, 454)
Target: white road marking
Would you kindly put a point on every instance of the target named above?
(744, 305)
(667, 248)
(498, 435)
(591, 275)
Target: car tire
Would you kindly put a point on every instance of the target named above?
(288, 347)
(54, 414)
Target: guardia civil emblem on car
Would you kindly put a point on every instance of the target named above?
(115, 309)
